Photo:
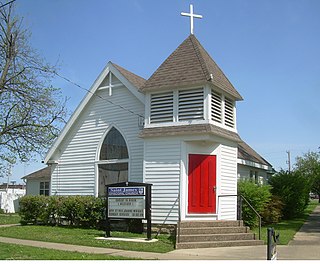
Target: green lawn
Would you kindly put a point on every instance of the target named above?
(19, 252)
(288, 228)
(6, 219)
(85, 237)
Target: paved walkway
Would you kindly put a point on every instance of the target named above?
(304, 246)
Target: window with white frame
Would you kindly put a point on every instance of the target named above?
(161, 107)
(114, 160)
(190, 105)
(254, 176)
(228, 112)
(44, 188)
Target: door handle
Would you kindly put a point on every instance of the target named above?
(214, 188)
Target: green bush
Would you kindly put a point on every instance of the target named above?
(272, 213)
(33, 209)
(258, 196)
(84, 211)
(293, 190)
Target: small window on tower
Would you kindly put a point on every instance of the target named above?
(190, 105)
(161, 108)
(229, 112)
(216, 106)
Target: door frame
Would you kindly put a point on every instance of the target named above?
(193, 147)
(210, 181)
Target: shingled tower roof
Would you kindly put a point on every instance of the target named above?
(189, 64)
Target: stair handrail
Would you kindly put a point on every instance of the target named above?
(240, 214)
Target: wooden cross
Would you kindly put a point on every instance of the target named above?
(191, 15)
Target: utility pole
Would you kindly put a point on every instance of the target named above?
(288, 161)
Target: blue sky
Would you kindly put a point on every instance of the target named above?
(269, 50)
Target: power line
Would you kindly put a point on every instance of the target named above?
(87, 90)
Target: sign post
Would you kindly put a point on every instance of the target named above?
(128, 200)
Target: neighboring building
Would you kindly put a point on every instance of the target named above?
(251, 166)
(187, 146)
(9, 196)
(38, 182)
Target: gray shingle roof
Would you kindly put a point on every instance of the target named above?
(245, 152)
(190, 130)
(136, 80)
(44, 173)
(189, 64)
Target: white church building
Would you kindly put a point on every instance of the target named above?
(177, 130)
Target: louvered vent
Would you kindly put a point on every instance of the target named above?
(228, 113)
(216, 106)
(191, 105)
(161, 109)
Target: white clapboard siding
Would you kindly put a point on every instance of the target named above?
(190, 105)
(228, 183)
(162, 169)
(71, 179)
(161, 108)
(75, 173)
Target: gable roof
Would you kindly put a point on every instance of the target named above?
(189, 64)
(136, 80)
(132, 81)
(245, 152)
(44, 173)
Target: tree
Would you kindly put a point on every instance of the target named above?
(293, 190)
(309, 166)
(31, 110)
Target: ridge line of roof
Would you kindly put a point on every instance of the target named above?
(204, 67)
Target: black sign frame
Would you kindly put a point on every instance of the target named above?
(146, 195)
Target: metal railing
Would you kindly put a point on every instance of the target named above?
(239, 215)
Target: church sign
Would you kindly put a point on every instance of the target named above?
(128, 200)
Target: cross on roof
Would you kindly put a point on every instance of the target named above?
(191, 15)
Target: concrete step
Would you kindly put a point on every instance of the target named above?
(213, 230)
(216, 223)
(216, 237)
(213, 244)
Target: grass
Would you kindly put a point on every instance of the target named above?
(6, 219)
(288, 228)
(19, 252)
(86, 237)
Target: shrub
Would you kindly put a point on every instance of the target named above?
(84, 211)
(93, 211)
(293, 190)
(258, 196)
(33, 208)
(272, 213)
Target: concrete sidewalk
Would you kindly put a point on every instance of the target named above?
(304, 246)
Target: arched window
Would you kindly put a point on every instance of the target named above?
(113, 160)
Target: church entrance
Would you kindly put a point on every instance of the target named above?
(202, 184)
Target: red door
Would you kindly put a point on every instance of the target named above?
(202, 184)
